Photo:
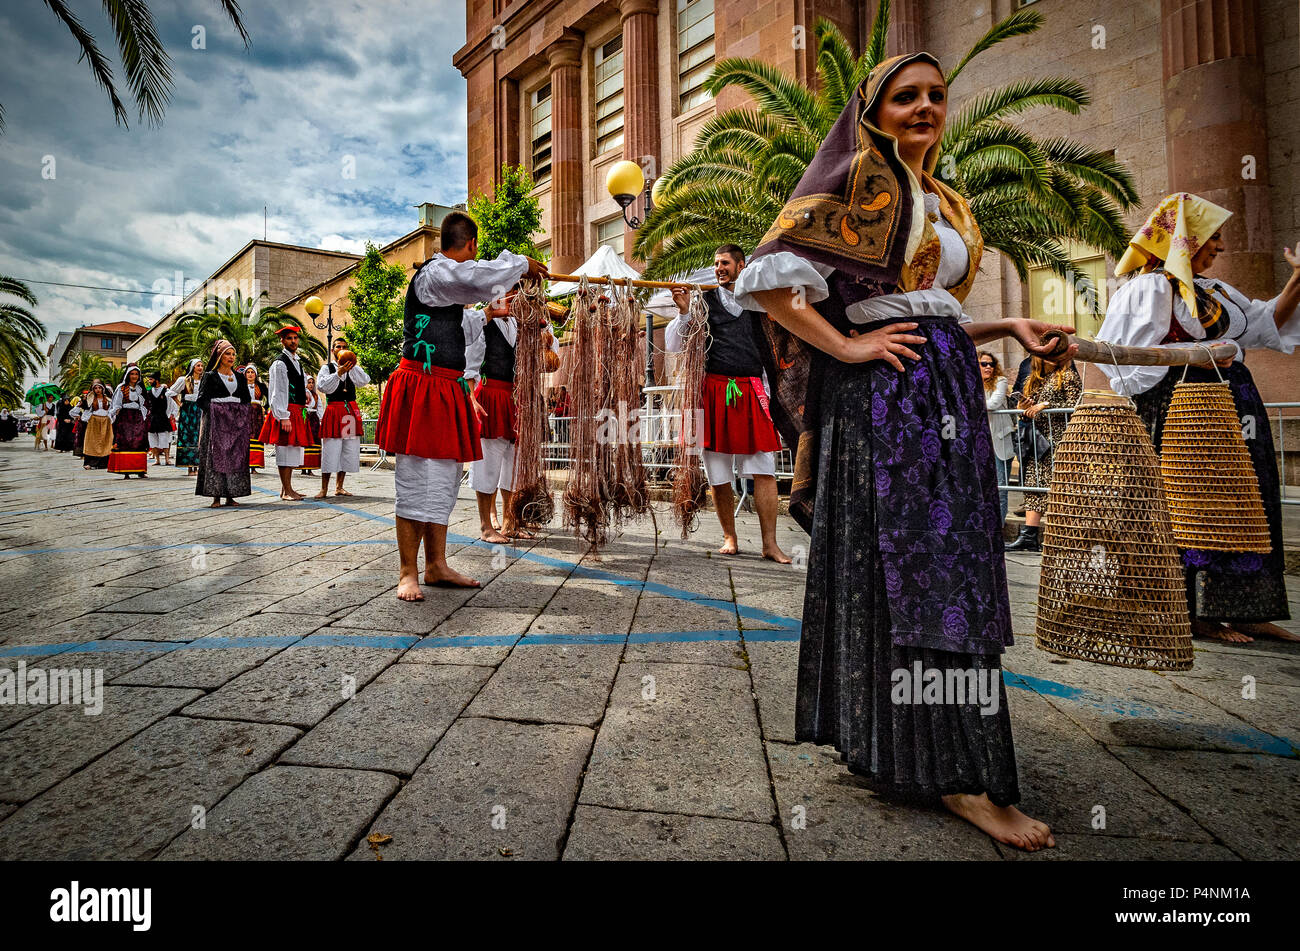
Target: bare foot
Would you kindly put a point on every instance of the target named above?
(292, 496)
(1214, 631)
(216, 504)
(729, 546)
(776, 554)
(1263, 629)
(320, 495)
(342, 492)
(496, 523)
(1004, 823)
(448, 577)
(493, 536)
(231, 502)
(408, 589)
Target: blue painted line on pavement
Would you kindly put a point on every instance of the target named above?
(468, 640)
(396, 641)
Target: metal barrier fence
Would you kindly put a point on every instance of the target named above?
(659, 427)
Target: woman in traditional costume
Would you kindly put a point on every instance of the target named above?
(878, 388)
(63, 425)
(1231, 596)
(130, 418)
(79, 427)
(97, 443)
(1052, 384)
(256, 414)
(314, 407)
(8, 426)
(224, 401)
(186, 389)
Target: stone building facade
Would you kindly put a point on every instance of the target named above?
(1197, 95)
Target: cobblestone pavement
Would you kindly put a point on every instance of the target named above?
(267, 696)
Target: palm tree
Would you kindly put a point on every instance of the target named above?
(1029, 196)
(147, 65)
(249, 325)
(21, 336)
(77, 373)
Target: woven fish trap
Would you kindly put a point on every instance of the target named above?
(1111, 587)
(1210, 483)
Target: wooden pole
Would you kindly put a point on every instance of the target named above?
(627, 281)
(1091, 351)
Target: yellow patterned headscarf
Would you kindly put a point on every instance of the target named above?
(1176, 230)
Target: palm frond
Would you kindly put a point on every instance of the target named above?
(1019, 23)
(876, 43)
(236, 15)
(1056, 92)
(777, 94)
(90, 52)
(148, 67)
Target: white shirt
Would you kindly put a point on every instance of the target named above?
(785, 269)
(280, 385)
(178, 389)
(230, 383)
(329, 379)
(132, 400)
(443, 281)
(673, 342)
(1138, 315)
(509, 327)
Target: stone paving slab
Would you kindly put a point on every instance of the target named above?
(198, 619)
(1273, 709)
(299, 686)
(774, 666)
(615, 835)
(693, 749)
(588, 607)
(178, 595)
(843, 819)
(133, 801)
(288, 813)
(43, 749)
(550, 684)
(194, 665)
(1214, 788)
(87, 627)
(523, 776)
(394, 722)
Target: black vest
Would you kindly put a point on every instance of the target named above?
(158, 421)
(433, 335)
(733, 351)
(345, 392)
(499, 364)
(297, 382)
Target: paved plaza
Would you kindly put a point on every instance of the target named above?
(267, 697)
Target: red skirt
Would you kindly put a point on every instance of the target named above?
(334, 424)
(497, 397)
(427, 413)
(299, 433)
(127, 461)
(744, 427)
(256, 454)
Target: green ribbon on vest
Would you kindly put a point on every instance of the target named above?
(733, 392)
(464, 384)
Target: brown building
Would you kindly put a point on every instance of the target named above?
(110, 341)
(1197, 95)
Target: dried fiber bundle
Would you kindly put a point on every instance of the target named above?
(1111, 589)
(531, 504)
(628, 479)
(689, 484)
(584, 511)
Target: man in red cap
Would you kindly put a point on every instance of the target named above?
(286, 426)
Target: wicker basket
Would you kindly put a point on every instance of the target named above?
(1211, 486)
(1111, 588)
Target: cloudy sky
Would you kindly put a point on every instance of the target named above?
(273, 125)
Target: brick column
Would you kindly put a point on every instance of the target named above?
(565, 58)
(1214, 118)
(507, 123)
(904, 28)
(640, 94)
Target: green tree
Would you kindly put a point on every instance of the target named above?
(1029, 196)
(251, 331)
(508, 220)
(147, 65)
(21, 336)
(83, 369)
(376, 309)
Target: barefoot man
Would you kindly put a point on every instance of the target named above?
(427, 418)
(495, 405)
(340, 427)
(286, 425)
(737, 423)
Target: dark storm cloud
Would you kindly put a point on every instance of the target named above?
(324, 87)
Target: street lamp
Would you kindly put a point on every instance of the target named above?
(624, 181)
(314, 306)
